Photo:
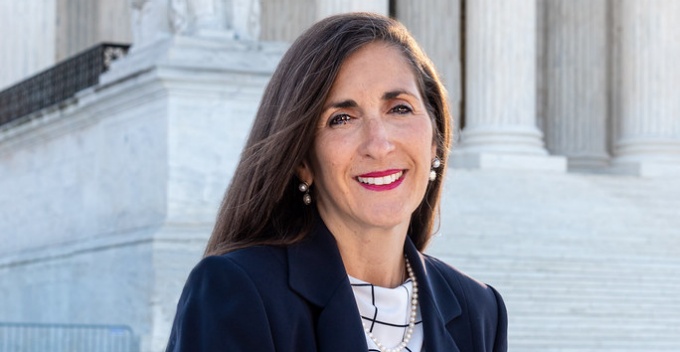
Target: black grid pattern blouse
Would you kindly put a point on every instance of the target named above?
(385, 312)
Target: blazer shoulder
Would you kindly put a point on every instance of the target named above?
(242, 301)
(457, 279)
(219, 291)
(481, 303)
(234, 272)
(254, 256)
(265, 266)
(473, 294)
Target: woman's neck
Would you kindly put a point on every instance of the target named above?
(374, 255)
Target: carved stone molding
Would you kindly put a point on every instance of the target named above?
(225, 19)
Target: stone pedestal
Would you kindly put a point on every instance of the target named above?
(500, 108)
(647, 142)
(575, 82)
(113, 194)
(205, 92)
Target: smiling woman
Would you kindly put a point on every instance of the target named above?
(367, 192)
(318, 243)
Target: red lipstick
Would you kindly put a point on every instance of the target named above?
(380, 173)
(381, 180)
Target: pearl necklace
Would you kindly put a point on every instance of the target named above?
(411, 321)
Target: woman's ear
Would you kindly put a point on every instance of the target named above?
(304, 173)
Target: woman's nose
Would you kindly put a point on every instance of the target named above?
(377, 139)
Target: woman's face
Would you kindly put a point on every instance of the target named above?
(374, 144)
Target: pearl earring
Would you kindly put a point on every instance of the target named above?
(306, 198)
(436, 163)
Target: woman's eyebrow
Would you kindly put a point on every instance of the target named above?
(349, 103)
(395, 93)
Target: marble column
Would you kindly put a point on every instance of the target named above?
(500, 89)
(82, 24)
(436, 25)
(325, 8)
(113, 22)
(34, 49)
(648, 98)
(575, 81)
(285, 20)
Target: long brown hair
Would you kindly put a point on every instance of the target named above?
(263, 204)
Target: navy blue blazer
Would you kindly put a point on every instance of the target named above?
(298, 298)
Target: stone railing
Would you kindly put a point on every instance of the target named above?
(59, 82)
(34, 337)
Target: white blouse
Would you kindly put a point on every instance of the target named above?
(385, 312)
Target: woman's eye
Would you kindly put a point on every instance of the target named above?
(401, 109)
(339, 119)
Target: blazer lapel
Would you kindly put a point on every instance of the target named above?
(438, 304)
(316, 272)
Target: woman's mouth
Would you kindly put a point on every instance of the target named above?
(382, 180)
(379, 181)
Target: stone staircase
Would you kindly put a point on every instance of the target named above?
(584, 262)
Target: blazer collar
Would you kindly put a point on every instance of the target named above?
(438, 303)
(315, 267)
(316, 272)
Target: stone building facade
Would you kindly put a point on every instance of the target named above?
(563, 189)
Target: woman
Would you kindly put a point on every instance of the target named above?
(318, 242)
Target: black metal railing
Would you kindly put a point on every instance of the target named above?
(58, 83)
(35, 337)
